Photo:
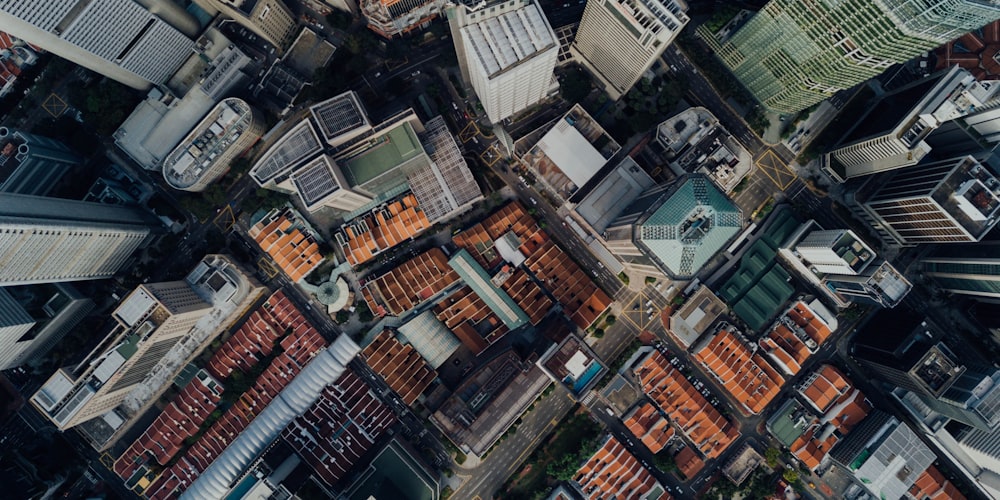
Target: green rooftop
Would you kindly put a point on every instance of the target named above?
(398, 145)
(129, 347)
(394, 474)
(496, 299)
(781, 425)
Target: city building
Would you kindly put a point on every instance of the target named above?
(392, 224)
(842, 267)
(972, 270)
(36, 317)
(396, 471)
(569, 154)
(703, 426)
(271, 20)
(613, 472)
(158, 329)
(913, 358)
(619, 40)
(694, 141)
(947, 201)
(612, 195)
(648, 426)
(15, 57)
(400, 365)
(31, 164)
(392, 18)
(973, 52)
(790, 57)
(884, 455)
(161, 121)
(745, 374)
(48, 240)
(202, 157)
(140, 44)
(291, 244)
(796, 335)
(409, 284)
(573, 364)
(334, 157)
(892, 132)
(509, 53)
(676, 228)
(698, 313)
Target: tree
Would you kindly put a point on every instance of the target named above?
(343, 316)
(664, 462)
(574, 85)
(771, 455)
(611, 319)
(791, 475)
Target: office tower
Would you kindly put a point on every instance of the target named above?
(159, 328)
(793, 54)
(139, 43)
(33, 318)
(32, 164)
(618, 40)
(947, 201)
(269, 19)
(906, 352)
(226, 132)
(966, 269)
(893, 132)
(878, 284)
(508, 53)
(884, 455)
(48, 240)
(675, 228)
(836, 251)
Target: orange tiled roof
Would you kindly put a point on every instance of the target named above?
(613, 472)
(806, 318)
(646, 423)
(410, 283)
(527, 295)
(688, 462)
(383, 229)
(582, 300)
(933, 485)
(472, 321)
(698, 420)
(977, 54)
(825, 387)
(746, 375)
(293, 251)
(400, 366)
(840, 408)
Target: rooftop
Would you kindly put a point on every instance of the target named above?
(571, 152)
(293, 148)
(582, 300)
(794, 337)
(390, 150)
(759, 287)
(218, 131)
(615, 192)
(410, 283)
(572, 363)
(430, 337)
(698, 420)
(613, 472)
(400, 365)
(290, 244)
(647, 424)
(316, 181)
(446, 185)
(688, 226)
(498, 301)
(739, 468)
(751, 380)
(503, 41)
(697, 314)
(339, 115)
(700, 144)
(385, 227)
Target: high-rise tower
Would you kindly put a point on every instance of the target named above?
(45, 240)
(793, 54)
(618, 40)
(137, 42)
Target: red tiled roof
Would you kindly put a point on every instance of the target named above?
(397, 222)
(646, 424)
(581, 299)
(409, 283)
(688, 462)
(746, 375)
(613, 472)
(294, 252)
(400, 366)
(932, 485)
(840, 407)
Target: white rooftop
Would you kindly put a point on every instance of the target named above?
(135, 306)
(577, 364)
(571, 152)
(503, 41)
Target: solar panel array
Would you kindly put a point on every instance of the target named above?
(315, 181)
(298, 144)
(338, 115)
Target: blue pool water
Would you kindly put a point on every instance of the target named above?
(587, 376)
(242, 488)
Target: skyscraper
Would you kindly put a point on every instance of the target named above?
(42, 315)
(967, 270)
(508, 52)
(948, 201)
(45, 240)
(618, 40)
(32, 164)
(793, 54)
(139, 43)
(269, 19)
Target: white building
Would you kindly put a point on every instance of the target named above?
(510, 52)
(837, 251)
(136, 43)
(48, 240)
(618, 40)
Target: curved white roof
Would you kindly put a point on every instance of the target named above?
(293, 401)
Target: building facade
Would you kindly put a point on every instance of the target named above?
(975, 276)
(48, 240)
(392, 18)
(138, 43)
(510, 54)
(32, 164)
(618, 40)
(271, 20)
(947, 201)
(793, 54)
(35, 318)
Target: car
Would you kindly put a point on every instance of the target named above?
(594, 272)
(455, 106)
(415, 73)
(378, 74)
(533, 201)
